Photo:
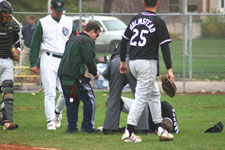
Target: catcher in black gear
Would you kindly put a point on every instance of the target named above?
(8, 37)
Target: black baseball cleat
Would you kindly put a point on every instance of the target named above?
(8, 125)
(106, 131)
(71, 131)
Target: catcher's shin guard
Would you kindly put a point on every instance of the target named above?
(7, 90)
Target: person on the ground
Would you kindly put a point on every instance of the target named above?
(169, 121)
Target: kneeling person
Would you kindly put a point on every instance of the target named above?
(168, 114)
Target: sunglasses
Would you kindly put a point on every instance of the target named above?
(97, 35)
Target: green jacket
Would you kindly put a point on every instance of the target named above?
(79, 53)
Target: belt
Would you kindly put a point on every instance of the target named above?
(4, 57)
(53, 55)
(116, 56)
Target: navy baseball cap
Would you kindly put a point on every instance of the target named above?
(216, 128)
(58, 5)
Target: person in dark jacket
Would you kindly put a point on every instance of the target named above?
(76, 87)
(27, 32)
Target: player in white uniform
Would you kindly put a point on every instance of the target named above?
(50, 35)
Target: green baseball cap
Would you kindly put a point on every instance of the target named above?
(58, 5)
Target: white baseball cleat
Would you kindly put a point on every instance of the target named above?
(58, 120)
(100, 128)
(132, 139)
(164, 135)
(51, 125)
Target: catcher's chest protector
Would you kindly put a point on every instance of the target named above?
(6, 41)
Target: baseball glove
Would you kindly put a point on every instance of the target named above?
(168, 86)
(16, 54)
(9, 125)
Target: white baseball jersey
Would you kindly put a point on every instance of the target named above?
(55, 35)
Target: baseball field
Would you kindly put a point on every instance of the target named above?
(195, 114)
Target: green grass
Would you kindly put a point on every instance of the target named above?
(195, 113)
(208, 59)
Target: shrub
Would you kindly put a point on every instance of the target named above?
(213, 27)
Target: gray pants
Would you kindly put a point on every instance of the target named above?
(117, 82)
(147, 91)
(143, 121)
(6, 81)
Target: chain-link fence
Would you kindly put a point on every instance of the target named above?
(197, 28)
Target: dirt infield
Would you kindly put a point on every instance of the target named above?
(19, 147)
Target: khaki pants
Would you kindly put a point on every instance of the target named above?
(25, 55)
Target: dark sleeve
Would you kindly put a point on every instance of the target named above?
(36, 44)
(16, 38)
(126, 38)
(169, 112)
(88, 55)
(166, 55)
(123, 49)
(162, 33)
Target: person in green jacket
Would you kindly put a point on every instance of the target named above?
(78, 55)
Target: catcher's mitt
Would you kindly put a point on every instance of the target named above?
(9, 125)
(168, 86)
(16, 54)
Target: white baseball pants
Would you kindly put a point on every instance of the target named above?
(50, 80)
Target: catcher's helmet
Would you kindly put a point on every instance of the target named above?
(6, 7)
(5, 11)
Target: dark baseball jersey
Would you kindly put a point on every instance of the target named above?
(146, 32)
(167, 112)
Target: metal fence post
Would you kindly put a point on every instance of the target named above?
(184, 40)
(80, 11)
(190, 47)
(49, 4)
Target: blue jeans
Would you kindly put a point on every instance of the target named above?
(89, 107)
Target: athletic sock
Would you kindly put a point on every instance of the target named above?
(158, 125)
(57, 113)
(130, 129)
